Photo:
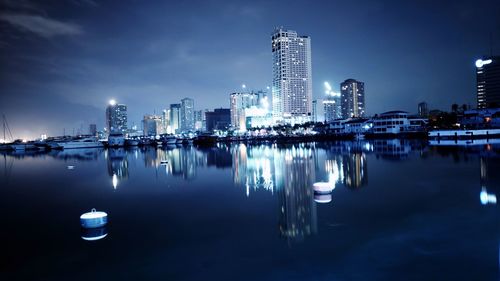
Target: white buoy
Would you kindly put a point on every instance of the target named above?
(93, 234)
(70, 167)
(93, 219)
(323, 198)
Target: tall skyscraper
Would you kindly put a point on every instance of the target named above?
(165, 121)
(352, 95)
(175, 116)
(488, 82)
(292, 77)
(239, 102)
(331, 104)
(187, 115)
(116, 117)
(423, 110)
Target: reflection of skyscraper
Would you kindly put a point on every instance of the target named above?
(117, 164)
(253, 167)
(489, 179)
(355, 170)
(116, 117)
(296, 197)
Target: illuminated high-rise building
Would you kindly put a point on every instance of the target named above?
(239, 102)
(352, 98)
(331, 104)
(152, 125)
(187, 115)
(116, 117)
(292, 77)
(488, 82)
(175, 116)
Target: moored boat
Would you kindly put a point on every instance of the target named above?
(116, 139)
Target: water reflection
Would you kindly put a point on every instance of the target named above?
(117, 164)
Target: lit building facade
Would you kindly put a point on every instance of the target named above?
(352, 95)
(187, 115)
(175, 116)
(152, 125)
(239, 102)
(488, 82)
(423, 109)
(331, 104)
(116, 117)
(292, 77)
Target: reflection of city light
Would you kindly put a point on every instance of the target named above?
(487, 198)
(115, 181)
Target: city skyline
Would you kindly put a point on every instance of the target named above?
(59, 63)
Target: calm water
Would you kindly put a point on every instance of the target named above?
(399, 211)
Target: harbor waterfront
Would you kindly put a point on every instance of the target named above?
(388, 209)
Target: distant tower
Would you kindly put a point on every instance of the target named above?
(93, 130)
(423, 110)
(352, 98)
(116, 117)
(187, 115)
(331, 104)
(175, 115)
(488, 82)
(292, 77)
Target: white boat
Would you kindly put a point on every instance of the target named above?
(86, 142)
(464, 134)
(116, 140)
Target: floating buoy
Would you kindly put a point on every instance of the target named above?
(93, 234)
(323, 198)
(93, 219)
(70, 167)
(163, 162)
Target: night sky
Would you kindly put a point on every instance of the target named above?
(61, 61)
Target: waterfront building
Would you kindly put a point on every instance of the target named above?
(238, 103)
(165, 121)
(488, 82)
(352, 98)
(315, 111)
(152, 125)
(116, 117)
(292, 77)
(175, 116)
(331, 104)
(219, 119)
(481, 118)
(93, 129)
(423, 110)
(198, 120)
(187, 115)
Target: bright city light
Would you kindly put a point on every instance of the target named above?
(480, 62)
(112, 102)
